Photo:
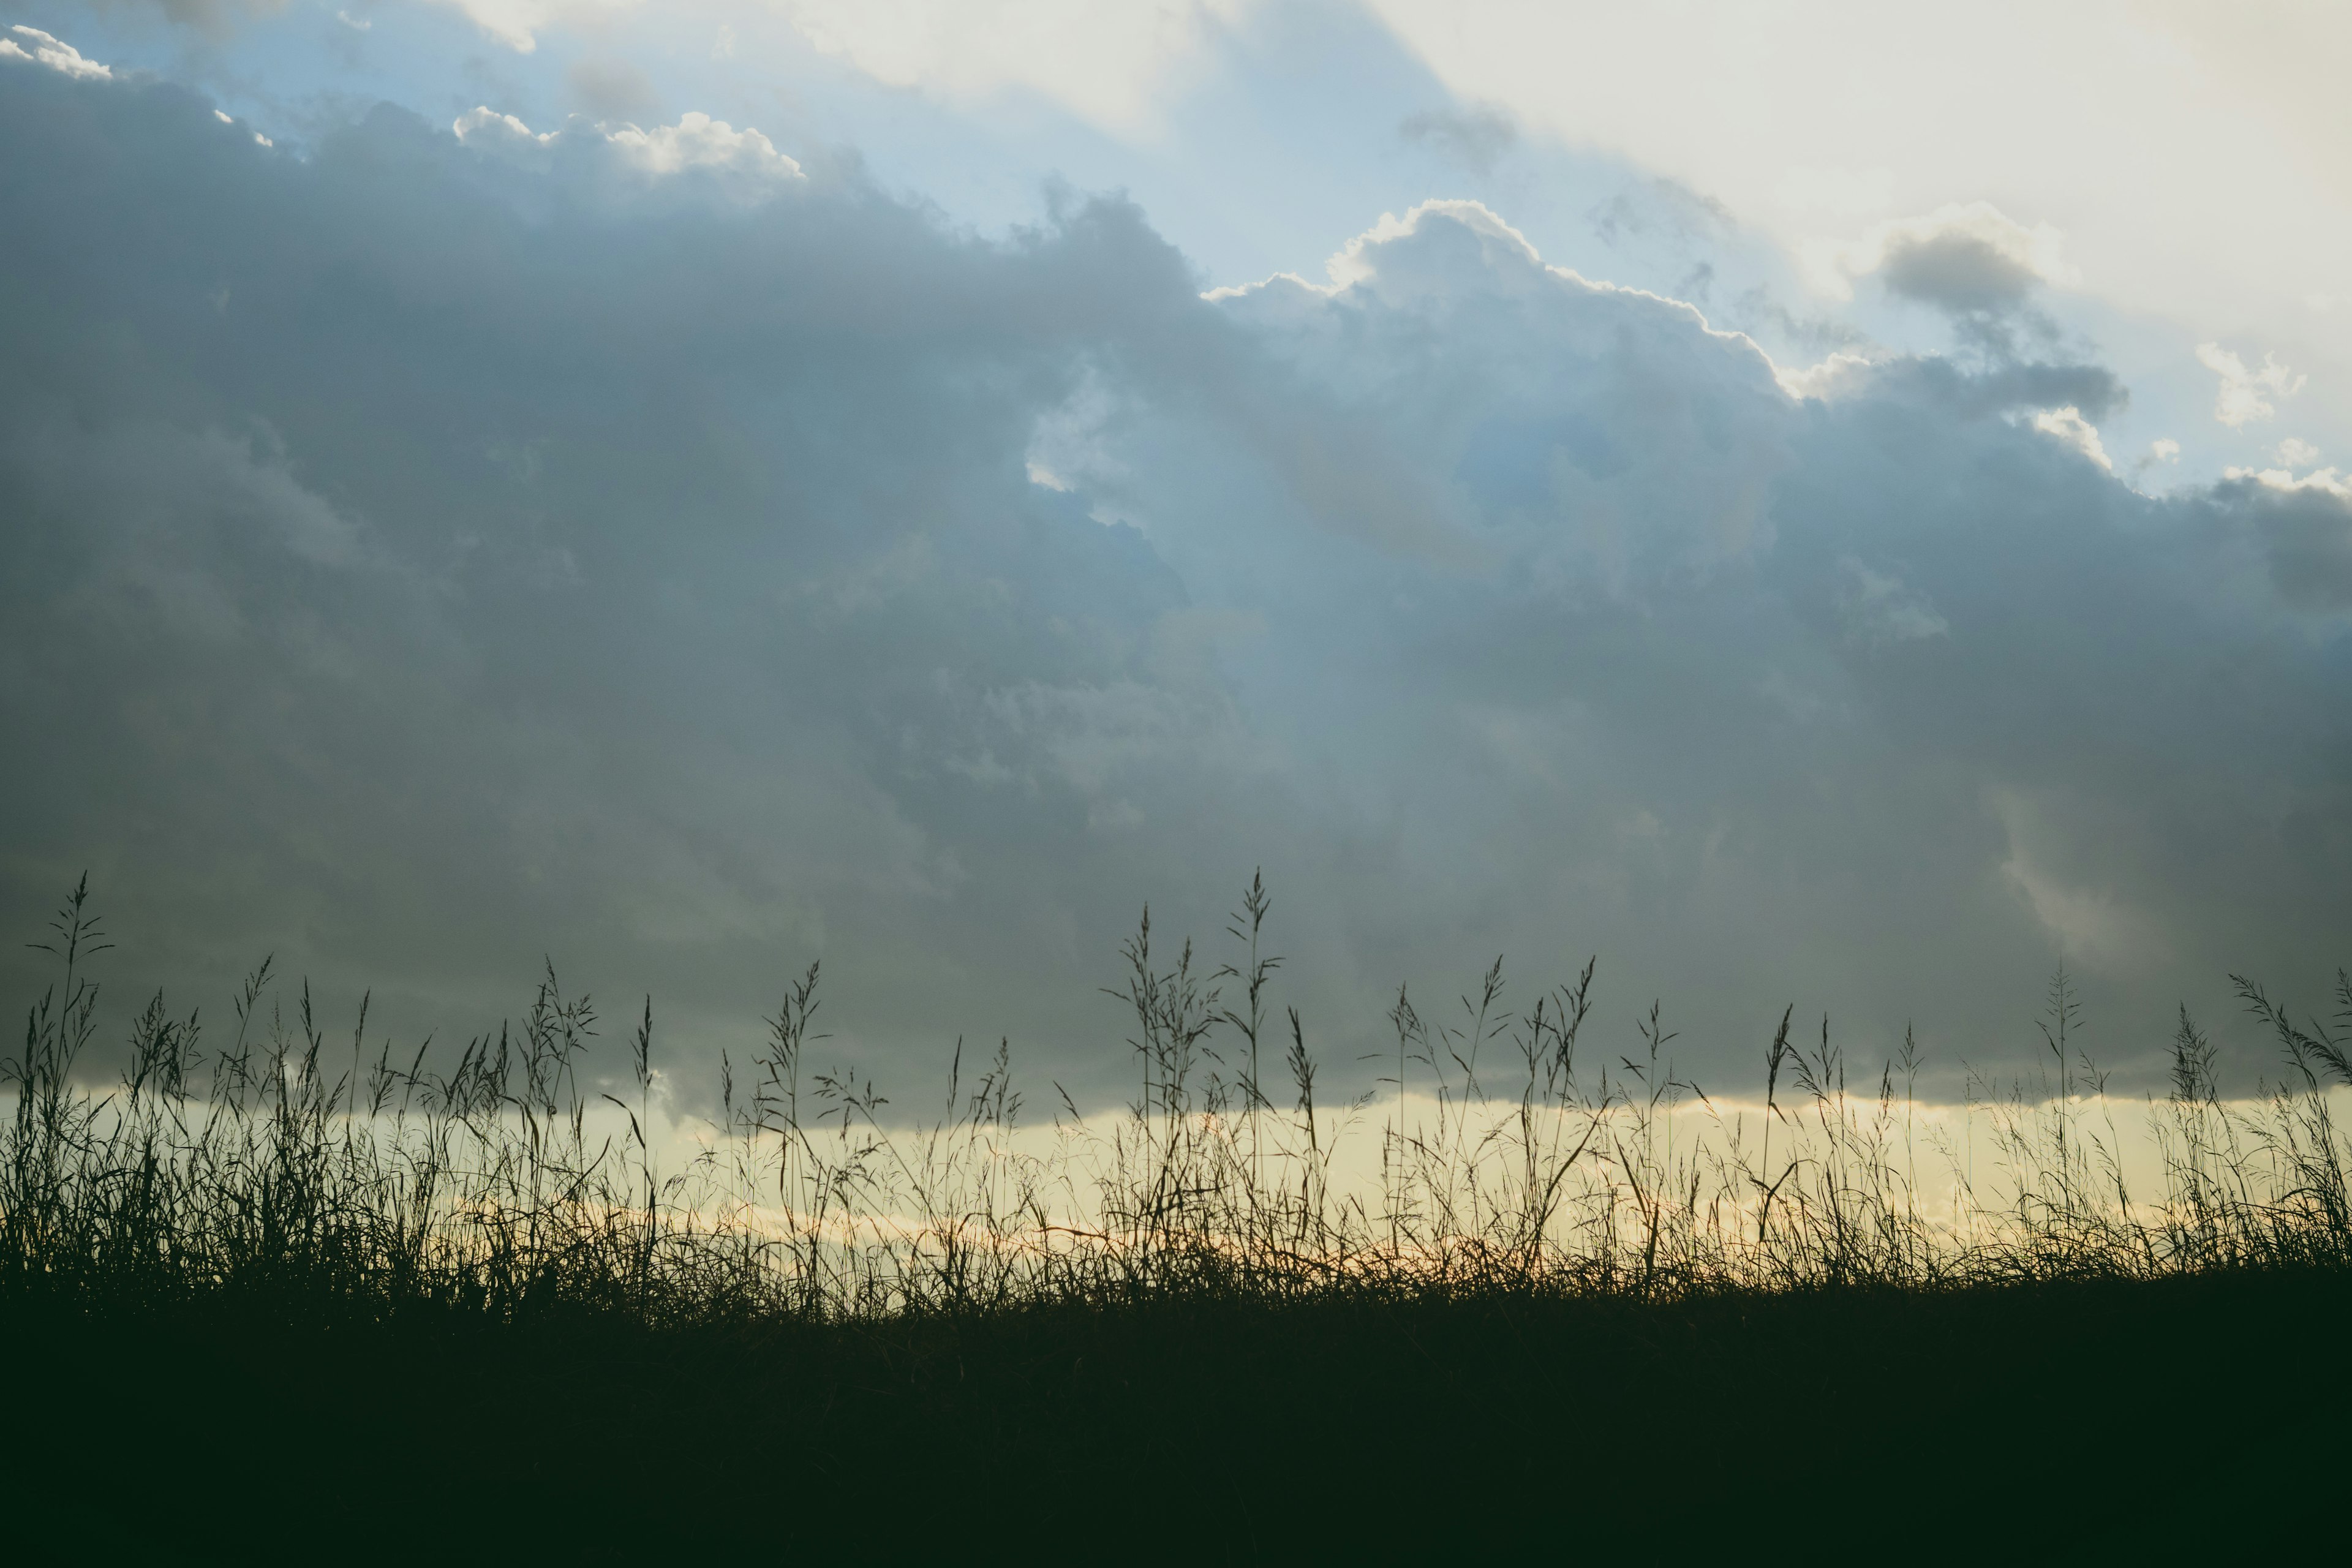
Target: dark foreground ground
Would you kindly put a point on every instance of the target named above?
(2200, 1416)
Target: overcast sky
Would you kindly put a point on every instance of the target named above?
(1815, 503)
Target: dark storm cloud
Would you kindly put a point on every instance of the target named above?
(426, 554)
(2306, 533)
(1890, 685)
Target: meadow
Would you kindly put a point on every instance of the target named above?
(262, 1288)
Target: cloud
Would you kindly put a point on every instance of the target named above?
(62, 57)
(610, 90)
(466, 543)
(2090, 924)
(213, 18)
(697, 144)
(2245, 395)
(1957, 272)
(516, 24)
(2234, 105)
(1880, 609)
(1974, 263)
(2305, 529)
(2163, 450)
(1963, 259)
(1839, 372)
(484, 126)
(1476, 138)
(1111, 65)
(2068, 424)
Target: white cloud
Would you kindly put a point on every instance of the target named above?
(504, 137)
(698, 142)
(2245, 395)
(2069, 425)
(2294, 453)
(487, 125)
(258, 139)
(1352, 263)
(59, 56)
(1840, 371)
(2319, 482)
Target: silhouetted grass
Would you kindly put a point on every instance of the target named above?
(275, 1286)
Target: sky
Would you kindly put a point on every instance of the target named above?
(1818, 505)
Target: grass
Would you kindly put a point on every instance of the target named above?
(271, 1291)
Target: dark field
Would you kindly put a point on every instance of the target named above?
(256, 1303)
(1989, 1421)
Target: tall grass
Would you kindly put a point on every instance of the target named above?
(505, 1180)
